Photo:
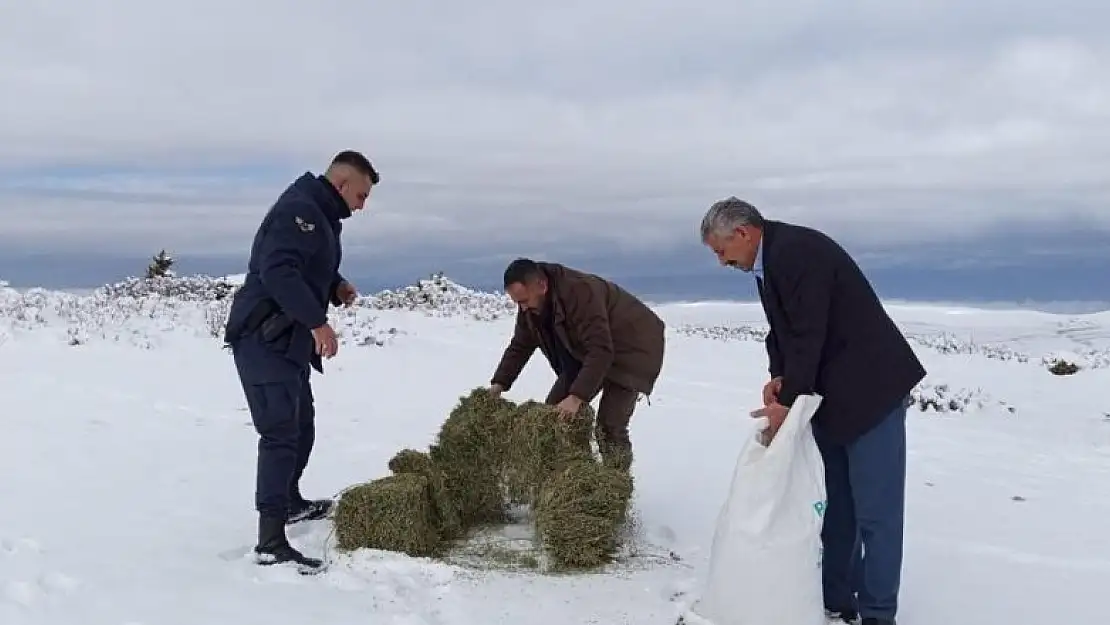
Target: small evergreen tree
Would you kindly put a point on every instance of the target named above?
(160, 266)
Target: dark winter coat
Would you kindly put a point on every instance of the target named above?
(612, 335)
(830, 333)
(292, 275)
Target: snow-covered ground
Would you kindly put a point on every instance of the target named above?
(127, 462)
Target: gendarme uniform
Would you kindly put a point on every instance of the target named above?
(292, 276)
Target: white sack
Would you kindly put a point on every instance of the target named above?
(765, 564)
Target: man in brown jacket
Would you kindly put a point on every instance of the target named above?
(597, 337)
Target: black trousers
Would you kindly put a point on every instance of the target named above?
(284, 416)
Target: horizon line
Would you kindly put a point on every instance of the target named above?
(955, 306)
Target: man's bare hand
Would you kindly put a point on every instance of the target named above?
(771, 391)
(495, 390)
(569, 406)
(327, 344)
(775, 413)
(347, 293)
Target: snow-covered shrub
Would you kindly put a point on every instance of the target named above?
(1072, 362)
(184, 288)
(723, 333)
(6, 294)
(942, 343)
(941, 398)
(357, 326)
(138, 311)
(945, 343)
(1099, 359)
(438, 296)
(1059, 366)
(79, 319)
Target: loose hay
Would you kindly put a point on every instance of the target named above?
(447, 506)
(513, 546)
(542, 442)
(470, 450)
(580, 513)
(393, 513)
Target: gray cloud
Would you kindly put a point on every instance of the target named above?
(563, 127)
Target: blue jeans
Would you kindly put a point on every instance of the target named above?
(863, 525)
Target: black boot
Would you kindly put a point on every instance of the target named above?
(877, 621)
(308, 510)
(274, 548)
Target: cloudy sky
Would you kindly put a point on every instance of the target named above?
(597, 131)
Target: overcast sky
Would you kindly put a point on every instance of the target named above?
(505, 127)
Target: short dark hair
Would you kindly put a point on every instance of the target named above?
(359, 162)
(522, 271)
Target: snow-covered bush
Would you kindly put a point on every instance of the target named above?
(926, 397)
(357, 326)
(184, 288)
(723, 333)
(440, 297)
(1072, 362)
(1099, 359)
(1058, 366)
(945, 343)
(126, 313)
(6, 294)
(942, 343)
(942, 398)
(137, 311)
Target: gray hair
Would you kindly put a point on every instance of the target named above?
(728, 214)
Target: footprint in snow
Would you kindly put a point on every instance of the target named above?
(10, 546)
(666, 534)
(21, 555)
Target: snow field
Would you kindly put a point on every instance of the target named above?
(128, 464)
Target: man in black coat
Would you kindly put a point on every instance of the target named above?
(830, 335)
(278, 327)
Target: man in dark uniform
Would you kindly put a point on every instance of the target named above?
(278, 327)
(597, 337)
(830, 335)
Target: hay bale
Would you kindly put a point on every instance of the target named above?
(580, 512)
(542, 442)
(394, 513)
(410, 461)
(478, 427)
(470, 449)
(612, 455)
(447, 506)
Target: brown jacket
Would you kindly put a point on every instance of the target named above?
(615, 336)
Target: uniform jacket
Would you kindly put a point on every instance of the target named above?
(614, 335)
(830, 333)
(294, 264)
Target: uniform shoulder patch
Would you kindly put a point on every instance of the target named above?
(305, 226)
